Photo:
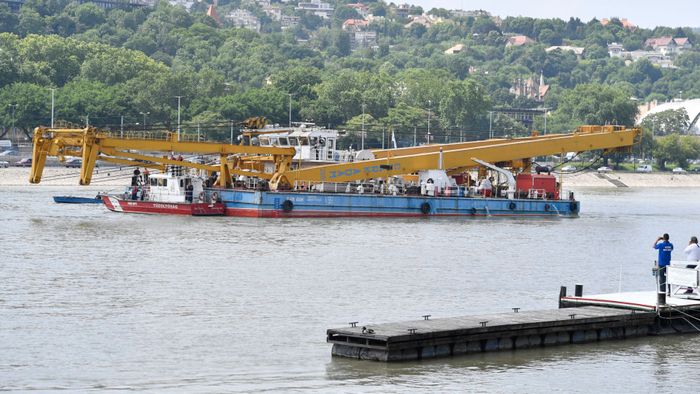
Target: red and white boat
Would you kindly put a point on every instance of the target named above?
(174, 192)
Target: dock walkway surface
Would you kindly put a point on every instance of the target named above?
(431, 338)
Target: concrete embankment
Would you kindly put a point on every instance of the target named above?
(630, 179)
(61, 176)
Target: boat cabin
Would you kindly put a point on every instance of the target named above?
(172, 185)
(312, 143)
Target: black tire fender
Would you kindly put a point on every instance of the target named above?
(425, 208)
(573, 206)
(511, 206)
(473, 210)
(287, 206)
(547, 207)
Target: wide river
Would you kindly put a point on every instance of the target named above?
(95, 300)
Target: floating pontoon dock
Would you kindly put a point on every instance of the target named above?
(579, 320)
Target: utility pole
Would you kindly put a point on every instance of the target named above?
(178, 117)
(231, 133)
(362, 145)
(121, 127)
(53, 102)
(144, 119)
(290, 109)
(490, 124)
(87, 120)
(415, 135)
(198, 131)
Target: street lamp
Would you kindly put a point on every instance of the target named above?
(178, 118)
(14, 133)
(430, 103)
(362, 136)
(290, 109)
(53, 103)
(144, 119)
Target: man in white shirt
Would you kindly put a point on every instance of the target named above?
(692, 251)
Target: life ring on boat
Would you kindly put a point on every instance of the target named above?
(430, 180)
(547, 207)
(202, 196)
(215, 197)
(287, 206)
(573, 206)
(425, 208)
(473, 210)
(511, 206)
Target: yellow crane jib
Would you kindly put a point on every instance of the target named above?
(447, 157)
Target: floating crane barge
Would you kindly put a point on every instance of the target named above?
(431, 180)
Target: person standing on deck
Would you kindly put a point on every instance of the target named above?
(665, 248)
(692, 251)
(486, 187)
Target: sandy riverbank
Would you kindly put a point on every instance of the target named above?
(113, 176)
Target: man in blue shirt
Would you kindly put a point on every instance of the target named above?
(665, 248)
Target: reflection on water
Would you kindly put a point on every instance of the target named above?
(93, 299)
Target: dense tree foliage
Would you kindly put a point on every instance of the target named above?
(109, 64)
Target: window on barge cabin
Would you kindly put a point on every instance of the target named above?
(264, 141)
(303, 141)
(283, 141)
(293, 141)
(273, 141)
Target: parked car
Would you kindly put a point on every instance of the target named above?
(26, 162)
(604, 169)
(4, 164)
(645, 168)
(569, 169)
(74, 163)
(679, 170)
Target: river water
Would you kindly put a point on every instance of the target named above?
(95, 300)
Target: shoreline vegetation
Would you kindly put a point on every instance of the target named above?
(116, 177)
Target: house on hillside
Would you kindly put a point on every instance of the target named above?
(425, 20)
(402, 10)
(530, 88)
(360, 36)
(624, 21)
(668, 45)
(578, 51)
(361, 9)
(289, 21)
(316, 7)
(455, 49)
(244, 19)
(517, 41)
(211, 12)
(616, 50)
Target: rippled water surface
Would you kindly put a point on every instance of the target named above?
(91, 299)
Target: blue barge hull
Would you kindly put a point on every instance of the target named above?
(250, 203)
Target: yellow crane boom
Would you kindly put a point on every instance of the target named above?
(91, 145)
(452, 156)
